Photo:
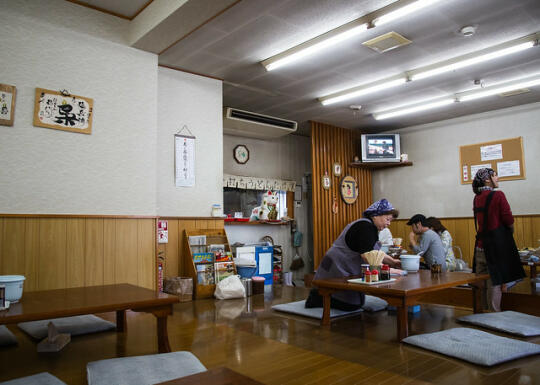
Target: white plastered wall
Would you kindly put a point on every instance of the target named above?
(196, 102)
(432, 185)
(58, 45)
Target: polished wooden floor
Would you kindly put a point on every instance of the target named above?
(275, 348)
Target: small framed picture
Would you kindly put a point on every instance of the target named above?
(337, 169)
(326, 183)
(7, 104)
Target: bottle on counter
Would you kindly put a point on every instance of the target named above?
(385, 273)
(374, 276)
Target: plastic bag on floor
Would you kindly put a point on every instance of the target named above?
(230, 287)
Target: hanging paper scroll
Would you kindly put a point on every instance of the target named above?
(184, 146)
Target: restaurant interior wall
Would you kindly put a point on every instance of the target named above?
(432, 186)
(286, 158)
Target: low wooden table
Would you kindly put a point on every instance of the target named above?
(532, 267)
(39, 305)
(215, 376)
(403, 292)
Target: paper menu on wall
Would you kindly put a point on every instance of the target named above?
(491, 152)
(510, 168)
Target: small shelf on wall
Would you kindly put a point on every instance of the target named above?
(379, 165)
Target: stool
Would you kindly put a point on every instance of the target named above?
(43, 378)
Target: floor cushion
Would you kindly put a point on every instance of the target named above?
(512, 322)
(7, 338)
(81, 324)
(474, 346)
(36, 379)
(371, 304)
(143, 370)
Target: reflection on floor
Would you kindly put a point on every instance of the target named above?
(276, 348)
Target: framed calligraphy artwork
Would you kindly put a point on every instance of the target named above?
(63, 111)
(7, 104)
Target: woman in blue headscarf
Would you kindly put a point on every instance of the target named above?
(344, 258)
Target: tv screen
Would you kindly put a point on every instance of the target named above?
(380, 148)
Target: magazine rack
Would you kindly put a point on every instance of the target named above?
(213, 236)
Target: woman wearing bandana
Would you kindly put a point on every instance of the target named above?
(344, 258)
(495, 249)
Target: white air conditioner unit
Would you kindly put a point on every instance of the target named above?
(252, 125)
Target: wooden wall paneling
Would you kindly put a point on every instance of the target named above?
(31, 254)
(52, 254)
(109, 251)
(126, 251)
(171, 248)
(12, 244)
(75, 251)
(183, 255)
(146, 230)
(535, 223)
(94, 252)
(2, 243)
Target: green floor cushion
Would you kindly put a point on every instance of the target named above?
(143, 370)
(36, 379)
(7, 338)
(78, 325)
(512, 322)
(371, 304)
(474, 346)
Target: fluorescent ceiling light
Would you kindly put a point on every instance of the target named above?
(499, 88)
(426, 105)
(400, 12)
(309, 47)
(474, 58)
(363, 90)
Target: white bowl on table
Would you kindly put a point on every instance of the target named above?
(14, 286)
(410, 262)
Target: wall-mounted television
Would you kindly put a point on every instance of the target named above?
(380, 148)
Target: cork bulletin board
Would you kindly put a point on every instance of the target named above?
(505, 156)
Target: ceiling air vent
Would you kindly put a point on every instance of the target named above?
(253, 125)
(387, 42)
(515, 92)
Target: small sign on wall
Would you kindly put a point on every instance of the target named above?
(163, 232)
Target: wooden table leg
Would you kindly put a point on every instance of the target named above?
(477, 291)
(162, 335)
(533, 271)
(121, 321)
(402, 321)
(326, 307)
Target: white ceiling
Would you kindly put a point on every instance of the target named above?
(230, 40)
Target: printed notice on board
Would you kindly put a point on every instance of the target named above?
(510, 168)
(491, 152)
(475, 168)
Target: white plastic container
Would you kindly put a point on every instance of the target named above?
(410, 262)
(14, 286)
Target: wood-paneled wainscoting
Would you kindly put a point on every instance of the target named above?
(330, 144)
(526, 232)
(176, 257)
(61, 251)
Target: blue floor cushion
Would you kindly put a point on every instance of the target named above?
(474, 346)
(7, 338)
(371, 304)
(81, 324)
(512, 322)
(143, 370)
(36, 379)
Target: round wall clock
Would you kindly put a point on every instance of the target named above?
(349, 189)
(241, 154)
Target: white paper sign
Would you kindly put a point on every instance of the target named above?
(5, 105)
(491, 152)
(510, 168)
(475, 168)
(185, 160)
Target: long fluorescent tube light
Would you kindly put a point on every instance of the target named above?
(316, 44)
(474, 58)
(413, 108)
(363, 90)
(499, 88)
(400, 12)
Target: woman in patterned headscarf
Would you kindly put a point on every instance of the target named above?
(495, 249)
(344, 258)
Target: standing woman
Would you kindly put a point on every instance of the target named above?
(495, 250)
(344, 258)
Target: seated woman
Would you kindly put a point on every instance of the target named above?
(344, 258)
(436, 225)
